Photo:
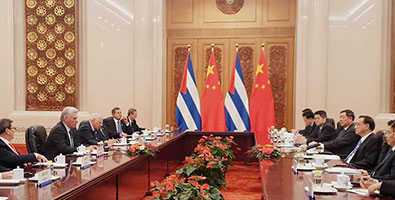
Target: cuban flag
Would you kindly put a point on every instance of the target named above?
(236, 101)
(188, 103)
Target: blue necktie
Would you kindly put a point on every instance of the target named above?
(119, 130)
(354, 150)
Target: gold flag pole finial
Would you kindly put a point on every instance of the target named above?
(189, 47)
(237, 47)
(212, 47)
(263, 46)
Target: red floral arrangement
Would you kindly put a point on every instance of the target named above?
(175, 187)
(138, 149)
(264, 152)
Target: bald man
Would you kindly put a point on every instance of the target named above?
(90, 131)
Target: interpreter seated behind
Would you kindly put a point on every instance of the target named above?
(10, 158)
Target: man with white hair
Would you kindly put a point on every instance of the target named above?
(90, 132)
(61, 139)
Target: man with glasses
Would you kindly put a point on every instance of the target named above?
(10, 158)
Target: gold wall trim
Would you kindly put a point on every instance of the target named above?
(232, 32)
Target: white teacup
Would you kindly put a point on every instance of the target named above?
(319, 161)
(343, 181)
(60, 159)
(81, 149)
(18, 173)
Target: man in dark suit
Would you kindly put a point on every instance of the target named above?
(346, 138)
(308, 118)
(90, 131)
(131, 124)
(324, 130)
(10, 158)
(114, 126)
(62, 137)
(364, 155)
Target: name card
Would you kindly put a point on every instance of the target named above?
(44, 178)
(86, 174)
(100, 151)
(85, 162)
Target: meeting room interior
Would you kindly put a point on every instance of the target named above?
(197, 99)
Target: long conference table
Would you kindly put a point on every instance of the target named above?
(119, 176)
(279, 181)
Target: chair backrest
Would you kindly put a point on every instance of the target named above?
(35, 137)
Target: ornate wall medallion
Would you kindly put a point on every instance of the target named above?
(41, 96)
(229, 7)
(50, 3)
(69, 19)
(50, 19)
(51, 88)
(69, 36)
(41, 28)
(51, 71)
(41, 62)
(59, 45)
(41, 11)
(32, 88)
(60, 96)
(69, 71)
(31, 54)
(69, 3)
(31, 20)
(69, 54)
(60, 78)
(50, 53)
(60, 62)
(50, 36)
(32, 36)
(32, 70)
(41, 45)
(41, 79)
(59, 28)
(69, 88)
(59, 11)
(31, 3)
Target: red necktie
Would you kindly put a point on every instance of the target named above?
(14, 149)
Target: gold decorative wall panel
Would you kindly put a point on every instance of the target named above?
(51, 54)
(270, 22)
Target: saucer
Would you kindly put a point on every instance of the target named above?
(334, 184)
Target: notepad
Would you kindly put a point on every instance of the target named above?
(339, 170)
(326, 157)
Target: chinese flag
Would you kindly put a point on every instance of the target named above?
(212, 104)
(262, 103)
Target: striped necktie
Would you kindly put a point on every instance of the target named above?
(353, 151)
(71, 139)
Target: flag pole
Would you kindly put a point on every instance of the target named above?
(263, 46)
(189, 47)
(237, 47)
(212, 47)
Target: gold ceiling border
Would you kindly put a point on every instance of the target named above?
(232, 32)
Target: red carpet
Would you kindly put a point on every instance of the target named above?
(242, 183)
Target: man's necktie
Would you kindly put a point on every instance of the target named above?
(119, 128)
(14, 149)
(71, 139)
(353, 151)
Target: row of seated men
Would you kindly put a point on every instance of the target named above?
(64, 138)
(357, 143)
